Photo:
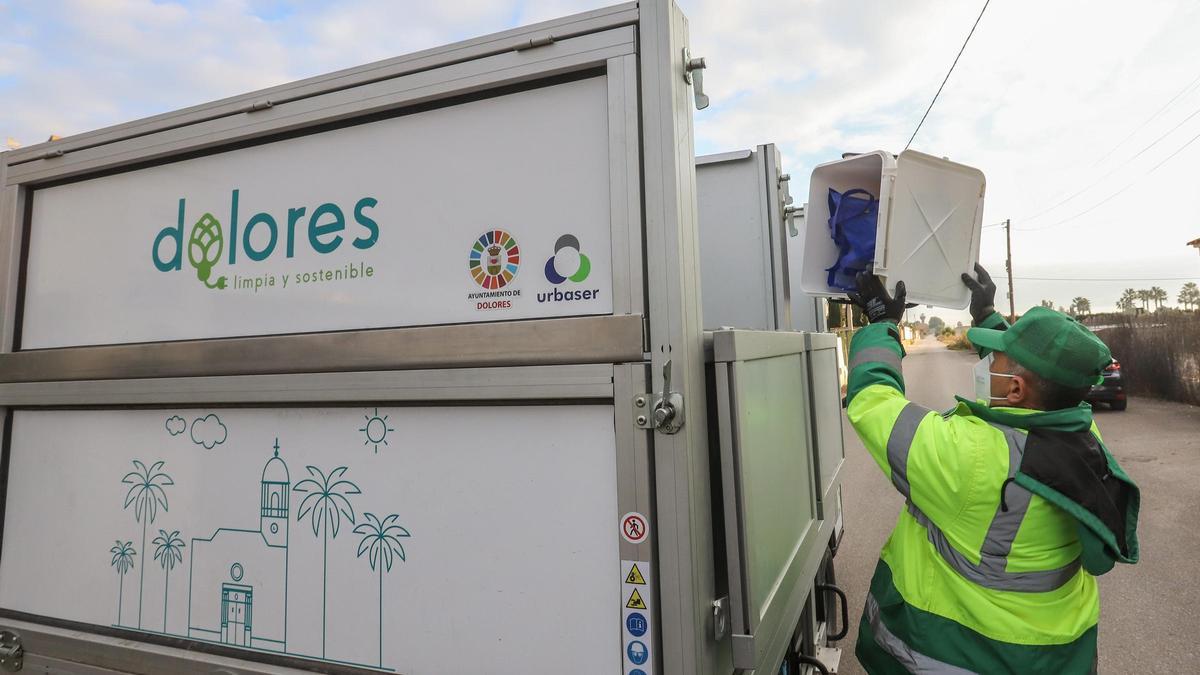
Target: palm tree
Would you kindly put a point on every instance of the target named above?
(327, 501)
(1145, 297)
(122, 559)
(167, 552)
(1081, 305)
(1158, 295)
(1189, 295)
(381, 539)
(146, 494)
(1128, 300)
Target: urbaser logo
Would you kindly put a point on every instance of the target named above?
(567, 264)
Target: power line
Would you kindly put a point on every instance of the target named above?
(947, 78)
(1112, 196)
(1114, 170)
(1149, 119)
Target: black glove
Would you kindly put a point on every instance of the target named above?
(874, 300)
(983, 294)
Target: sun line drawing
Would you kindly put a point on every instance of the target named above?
(376, 430)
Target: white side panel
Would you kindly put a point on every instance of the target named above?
(510, 565)
(735, 254)
(414, 194)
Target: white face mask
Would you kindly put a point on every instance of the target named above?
(983, 380)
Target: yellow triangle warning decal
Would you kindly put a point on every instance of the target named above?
(635, 601)
(635, 576)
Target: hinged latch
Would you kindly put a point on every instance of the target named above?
(720, 618)
(693, 74)
(663, 411)
(790, 214)
(12, 654)
(534, 42)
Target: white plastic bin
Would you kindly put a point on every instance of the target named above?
(930, 217)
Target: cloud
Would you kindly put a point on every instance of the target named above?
(209, 431)
(176, 425)
(1042, 92)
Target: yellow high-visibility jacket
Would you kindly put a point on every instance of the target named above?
(980, 574)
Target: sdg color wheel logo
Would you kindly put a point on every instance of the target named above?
(495, 259)
(567, 262)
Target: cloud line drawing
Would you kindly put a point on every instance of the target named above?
(176, 425)
(209, 431)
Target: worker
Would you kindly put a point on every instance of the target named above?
(1012, 502)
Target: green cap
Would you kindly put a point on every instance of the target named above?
(1050, 344)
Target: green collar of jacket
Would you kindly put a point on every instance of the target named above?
(1078, 418)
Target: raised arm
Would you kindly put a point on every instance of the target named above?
(983, 303)
(927, 457)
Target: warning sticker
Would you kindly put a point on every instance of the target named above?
(635, 576)
(634, 527)
(635, 601)
(637, 592)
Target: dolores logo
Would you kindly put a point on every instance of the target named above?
(322, 230)
(493, 262)
(567, 264)
(495, 259)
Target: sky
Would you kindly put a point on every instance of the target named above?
(1083, 115)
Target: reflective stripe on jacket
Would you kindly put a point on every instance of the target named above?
(979, 574)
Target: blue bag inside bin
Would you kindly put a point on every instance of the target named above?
(853, 219)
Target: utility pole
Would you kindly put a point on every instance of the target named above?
(1012, 310)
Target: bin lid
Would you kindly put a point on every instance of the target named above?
(934, 222)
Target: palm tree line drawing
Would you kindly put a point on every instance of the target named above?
(381, 541)
(168, 551)
(122, 560)
(146, 495)
(326, 501)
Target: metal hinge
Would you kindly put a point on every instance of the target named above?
(12, 654)
(532, 43)
(693, 74)
(720, 615)
(262, 104)
(662, 412)
(790, 215)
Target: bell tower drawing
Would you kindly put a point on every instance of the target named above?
(273, 510)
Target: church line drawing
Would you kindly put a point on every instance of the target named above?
(239, 577)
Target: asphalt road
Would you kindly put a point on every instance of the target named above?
(1150, 612)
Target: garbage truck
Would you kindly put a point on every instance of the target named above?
(435, 323)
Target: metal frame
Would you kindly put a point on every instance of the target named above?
(603, 339)
(827, 504)
(317, 111)
(520, 385)
(656, 273)
(771, 164)
(683, 499)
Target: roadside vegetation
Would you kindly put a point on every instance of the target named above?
(956, 341)
(1159, 352)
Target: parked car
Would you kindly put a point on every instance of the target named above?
(1112, 389)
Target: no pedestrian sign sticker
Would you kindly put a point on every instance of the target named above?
(634, 527)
